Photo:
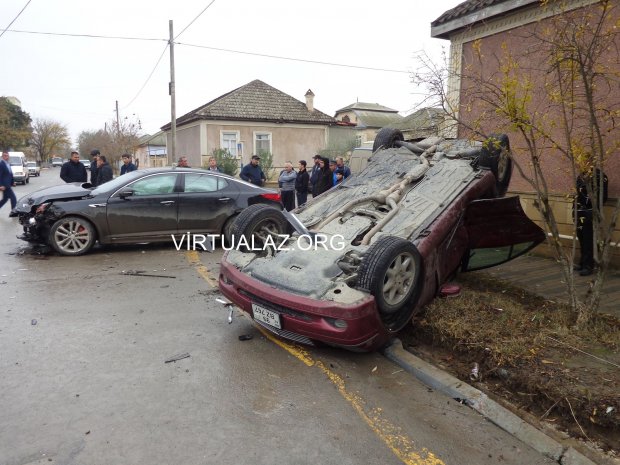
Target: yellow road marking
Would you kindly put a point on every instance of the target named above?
(390, 434)
(194, 259)
(402, 446)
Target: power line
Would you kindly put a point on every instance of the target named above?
(294, 59)
(193, 20)
(15, 19)
(91, 36)
(148, 78)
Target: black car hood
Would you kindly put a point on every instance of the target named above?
(63, 191)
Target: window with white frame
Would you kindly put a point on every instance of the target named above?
(229, 141)
(262, 142)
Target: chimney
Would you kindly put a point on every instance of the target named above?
(310, 100)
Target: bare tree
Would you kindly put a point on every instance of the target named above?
(48, 137)
(113, 141)
(550, 88)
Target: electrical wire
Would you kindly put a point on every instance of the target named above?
(294, 59)
(15, 19)
(193, 20)
(148, 78)
(91, 36)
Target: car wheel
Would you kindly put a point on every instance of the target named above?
(227, 229)
(257, 223)
(391, 271)
(386, 138)
(72, 236)
(495, 156)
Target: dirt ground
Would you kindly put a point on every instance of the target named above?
(523, 351)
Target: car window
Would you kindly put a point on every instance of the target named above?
(153, 185)
(204, 183)
(31, 163)
(15, 161)
(492, 256)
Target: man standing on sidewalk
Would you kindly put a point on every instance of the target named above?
(287, 183)
(6, 182)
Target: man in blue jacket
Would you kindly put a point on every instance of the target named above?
(6, 181)
(128, 166)
(252, 172)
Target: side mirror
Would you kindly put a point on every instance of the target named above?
(125, 193)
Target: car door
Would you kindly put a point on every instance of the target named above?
(206, 202)
(144, 210)
(498, 230)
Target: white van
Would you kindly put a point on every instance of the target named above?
(17, 160)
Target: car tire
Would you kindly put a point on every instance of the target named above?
(391, 270)
(256, 223)
(495, 156)
(72, 235)
(227, 229)
(386, 138)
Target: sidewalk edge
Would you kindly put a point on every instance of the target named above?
(450, 386)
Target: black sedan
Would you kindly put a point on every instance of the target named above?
(151, 205)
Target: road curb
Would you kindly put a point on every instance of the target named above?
(447, 384)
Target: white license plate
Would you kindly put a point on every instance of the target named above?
(266, 316)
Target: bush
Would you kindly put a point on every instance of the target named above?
(266, 163)
(225, 162)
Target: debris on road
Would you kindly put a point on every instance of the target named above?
(174, 358)
(33, 322)
(143, 273)
(475, 372)
(245, 337)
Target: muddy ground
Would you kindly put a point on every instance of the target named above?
(524, 351)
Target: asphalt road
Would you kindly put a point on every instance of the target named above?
(83, 378)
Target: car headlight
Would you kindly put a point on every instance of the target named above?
(41, 208)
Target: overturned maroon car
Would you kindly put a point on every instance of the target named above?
(351, 267)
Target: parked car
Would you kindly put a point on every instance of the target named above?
(86, 163)
(57, 162)
(368, 254)
(17, 160)
(151, 205)
(33, 168)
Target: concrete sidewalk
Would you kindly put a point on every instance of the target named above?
(543, 276)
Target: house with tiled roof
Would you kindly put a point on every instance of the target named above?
(151, 151)
(251, 119)
(366, 119)
(481, 33)
(422, 123)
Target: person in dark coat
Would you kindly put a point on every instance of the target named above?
(73, 170)
(93, 166)
(326, 177)
(301, 183)
(7, 182)
(128, 166)
(583, 203)
(104, 170)
(314, 175)
(252, 172)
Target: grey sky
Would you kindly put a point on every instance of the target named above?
(76, 80)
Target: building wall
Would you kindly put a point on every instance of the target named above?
(188, 144)
(292, 142)
(514, 33)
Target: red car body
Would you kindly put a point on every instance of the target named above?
(475, 230)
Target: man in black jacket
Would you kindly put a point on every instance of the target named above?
(73, 170)
(93, 166)
(315, 174)
(301, 183)
(104, 170)
(587, 186)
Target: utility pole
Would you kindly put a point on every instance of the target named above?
(171, 91)
(118, 123)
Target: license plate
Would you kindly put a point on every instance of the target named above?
(266, 316)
